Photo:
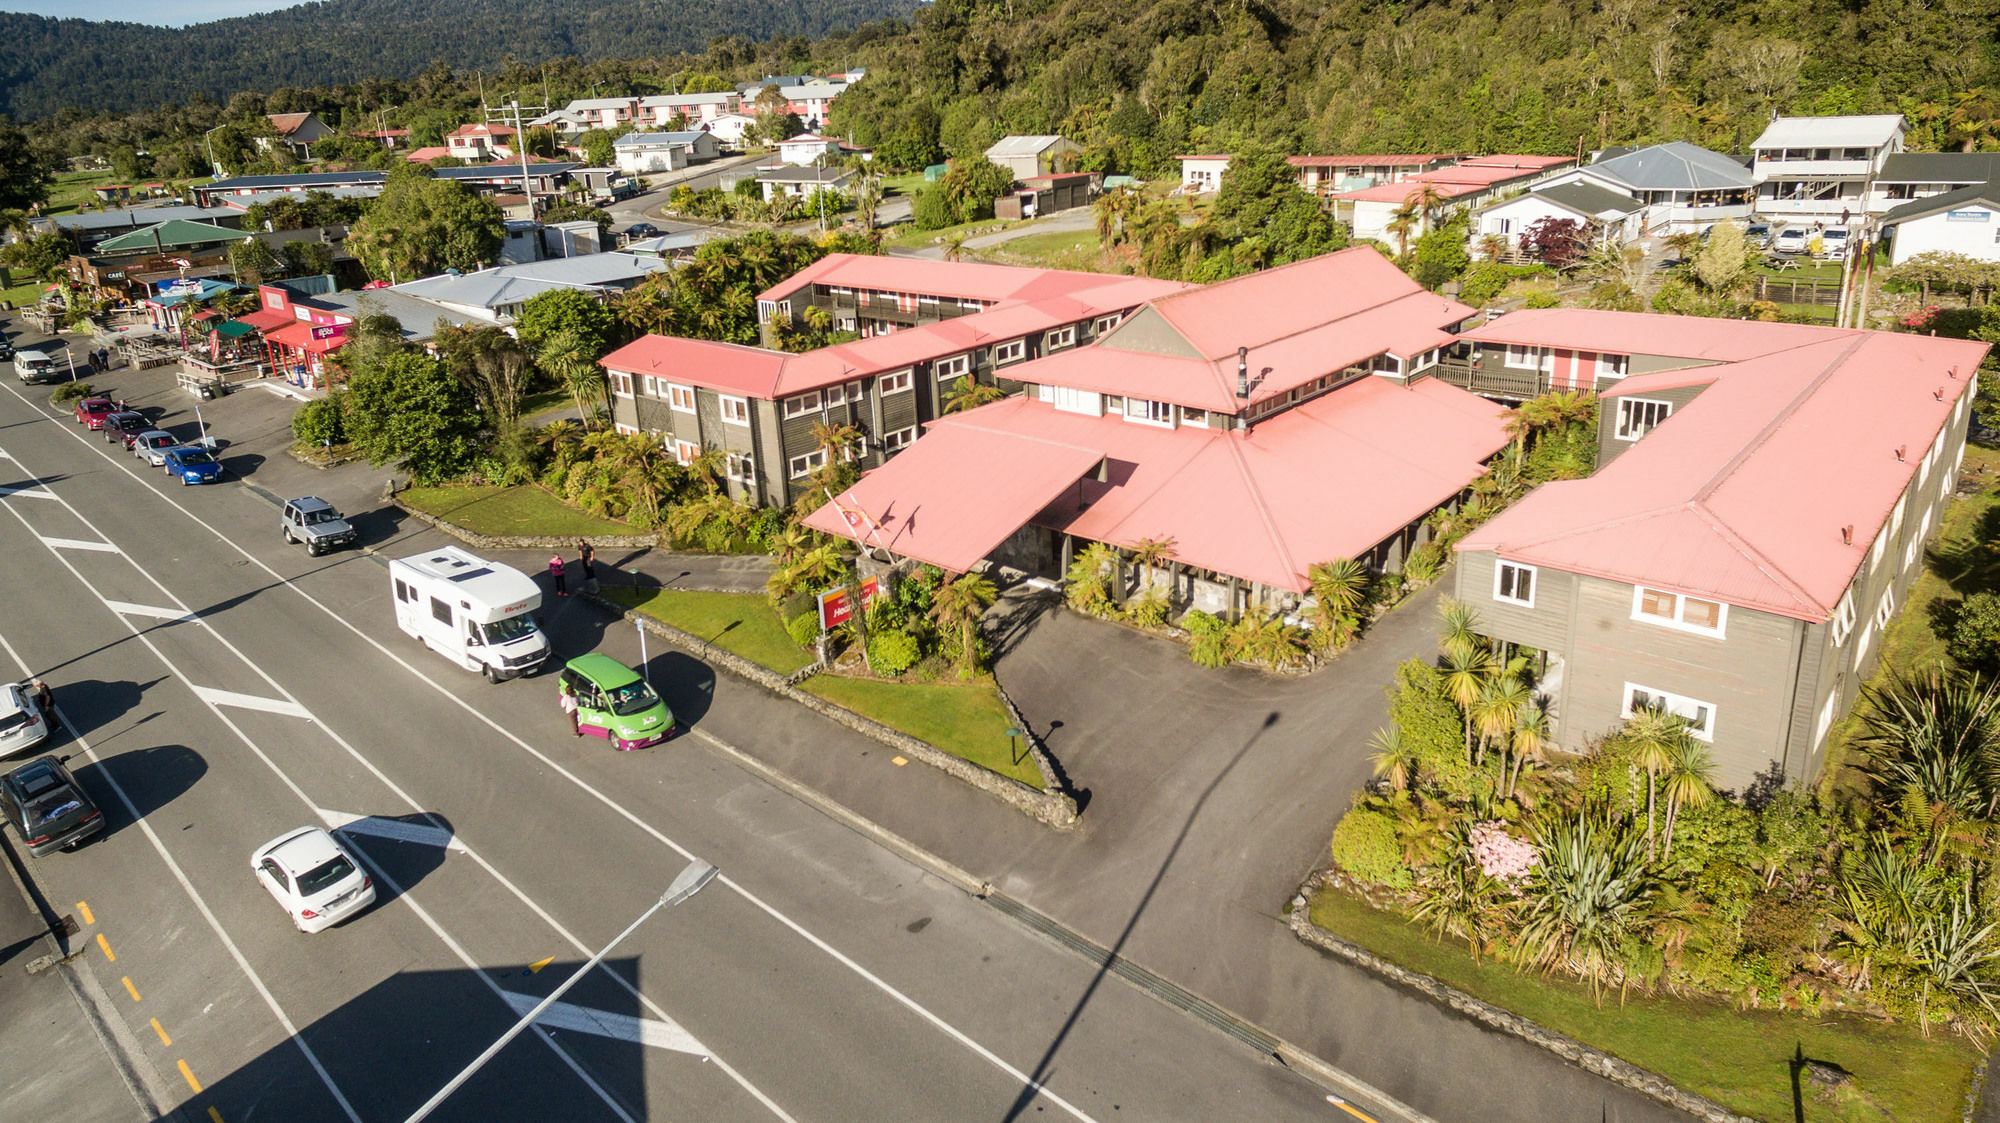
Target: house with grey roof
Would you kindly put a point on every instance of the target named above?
(642, 153)
(495, 296)
(1822, 169)
(1030, 156)
(1612, 218)
(1965, 222)
(801, 182)
(1684, 188)
(1919, 175)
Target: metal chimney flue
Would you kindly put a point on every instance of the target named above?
(1243, 372)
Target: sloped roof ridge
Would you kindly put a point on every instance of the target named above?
(1770, 569)
(1234, 442)
(1779, 417)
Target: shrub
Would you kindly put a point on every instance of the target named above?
(892, 653)
(1481, 282)
(1542, 296)
(1975, 637)
(1209, 638)
(321, 422)
(804, 630)
(1364, 844)
(1430, 727)
(70, 391)
(1149, 611)
(1424, 564)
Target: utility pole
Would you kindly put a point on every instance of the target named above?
(511, 114)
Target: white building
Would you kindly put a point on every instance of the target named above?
(641, 153)
(1030, 156)
(1964, 222)
(1821, 169)
(1920, 175)
(806, 149)
(801, 182)
(695, 109)
(729, 129)
(1684, 188)
(1613, 217)
(1202, 174)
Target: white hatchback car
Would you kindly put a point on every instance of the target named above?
(22, 726)
(313, 877)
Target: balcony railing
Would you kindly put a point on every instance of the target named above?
(1514, 385)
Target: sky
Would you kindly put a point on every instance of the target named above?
(165, 13)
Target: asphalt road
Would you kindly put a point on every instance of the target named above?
(223, 688)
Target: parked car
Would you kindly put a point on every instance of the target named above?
(124, 426)
(193, 465)
(313, 878)
(1792, 239)
(1757, 235)
(91, 412)
(153, 444)
(1833, 242)
(313, 521)
(6, 347)
(641, 230)
(614, 702)
(34, 366)
(22, 726)
(47, 807)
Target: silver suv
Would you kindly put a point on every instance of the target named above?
(313, 521)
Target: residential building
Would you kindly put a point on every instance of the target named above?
(1031, 156)
(547, 178)
(496, 296)
(798, 183)
(1201, 175)
(1047, 194)
(479, 142)
(729, 129)
(758, 407)
(660, 110)
(812, 101)
(1685, 189)
(644, 153)
(1760, 507)
(1329, 175)
(594, 113)
(1822, 169)
(296, 131)
(1261, 425)
(1370, 212)
(807, 149)
(1919, 175)
(1610, 218)
(1965, 222)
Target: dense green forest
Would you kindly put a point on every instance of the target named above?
(47, 64)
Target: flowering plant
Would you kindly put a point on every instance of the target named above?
(1499, 854)
(1921, 318)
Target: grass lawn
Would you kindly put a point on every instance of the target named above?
(1059, 249)
(909, 183)
(964, 720)
(910, 239)
(546, 401)
(23, 294)
(741, 623)
(1738, 1058)
(508, 510)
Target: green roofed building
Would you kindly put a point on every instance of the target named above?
(177, 233)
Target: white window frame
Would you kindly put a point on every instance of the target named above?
(1842, 623)
(1679, 621)
(735, 410)
(1149, 412)
(895, 383)
(952, 368)
(1090, 403)
(899, 439)
(1194, 418)
(621, 384)
(1827, 713)
(685, 451)
(1613, 366)
(1500, 569)
(739, 466)
(1012, 351)
(680, 398)
(1626, 420)
(1673, 703)
(1524, 356)
(798, 405)
(1885, 609)
(649, 386)
(801, 466)
(1881, 546)
(1103, 324)
(834, 395)
(1060, 337)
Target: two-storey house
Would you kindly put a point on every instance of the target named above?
(1685, 189)
(1821, 170)
(1760, 507)
(1326, 175)
(480, 142)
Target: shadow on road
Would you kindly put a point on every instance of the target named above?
(95, 704)
(402, 849)
(151, 778)
(685, 683)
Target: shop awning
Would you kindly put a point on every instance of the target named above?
(298, 336)
(266, 319)
(234, 329)
(952, 497)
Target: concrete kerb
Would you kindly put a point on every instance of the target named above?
(1493, 1017)
(1053, 808)
(526, 541)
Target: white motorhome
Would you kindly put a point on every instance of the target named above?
(474, 612)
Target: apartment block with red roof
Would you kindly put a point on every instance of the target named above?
(1327, 175)
(1760, 508)
(759, 407)
(1466, 183)
(1262, 425)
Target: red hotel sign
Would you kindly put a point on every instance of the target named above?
(834, 610)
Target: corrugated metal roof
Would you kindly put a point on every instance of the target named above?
(1021, 146)
(1940, 167)
(1588, 199)
(1868, 131)
(1676, 166)
(1988, 193)
(173, 233)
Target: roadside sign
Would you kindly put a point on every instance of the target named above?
(834, 610)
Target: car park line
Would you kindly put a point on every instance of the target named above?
(880, 984)
(207, 697)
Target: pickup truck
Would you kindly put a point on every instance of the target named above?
(313, 521)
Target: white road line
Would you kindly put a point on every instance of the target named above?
(35, 492)
(393, 829)
(580, 784)
(80, 544)
(201, 906)
(282, 706)
(604, 1023)
(125, 608)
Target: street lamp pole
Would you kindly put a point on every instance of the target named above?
(208, 141)
(687, 884)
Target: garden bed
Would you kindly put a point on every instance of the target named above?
(966, 720)
(497, 512)
(1742, 1059)
(740, 623)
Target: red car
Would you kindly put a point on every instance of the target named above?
(91, 412)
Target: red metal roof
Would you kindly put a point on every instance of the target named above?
(949, 280)
(1328, 479)
(1376, 161)
(1742, 495)
(1463, 178)
(729, 367)
(285, 124)
(266, 319)
(1643, 333)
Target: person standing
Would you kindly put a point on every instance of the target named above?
(586, 556)
(44, 701)
(556, 575)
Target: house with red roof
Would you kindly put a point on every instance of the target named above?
(481, 141)
(1760, 508)
(1262, 424)
(1328, 175)
(296, 131)
(1369, 211)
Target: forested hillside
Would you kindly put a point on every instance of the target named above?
(47, 64)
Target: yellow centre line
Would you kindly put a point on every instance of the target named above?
(188, 1074)
(215, 1115)
(164, 1039)
(535, 968)
(106, 946)
(85, 910)
(132, 990)
(1350, 1109)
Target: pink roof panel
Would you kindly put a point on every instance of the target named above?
(730, 367)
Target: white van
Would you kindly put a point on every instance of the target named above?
(34, 366)
(475, 612)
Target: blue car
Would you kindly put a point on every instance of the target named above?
(193, 465)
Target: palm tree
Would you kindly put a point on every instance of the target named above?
(1460, 624)
(1266, 638)
(958, 605)
(1501, 699)
(867, 196)
(1428, 199)
(1401, 222)
(1532, 741)
(1465, 671)
(834, 438)
(567, 355)
(792, 543)
(1340, 586)
(967, 394)
(1654, 736)
(1689, 782)
(1152, 553)
(954, 247)
(1392, 760)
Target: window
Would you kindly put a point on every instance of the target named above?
(736, 411)
(648, 386)
(404, 592)
(440, 611)
(1514, 584)
(1012, 351)
(1061, 337)
(686, 451)
(1114, 403)
(1885, 609)
(1149, 412)
(1079, 401)
(621, 383)
(1195, 417)
(955, 367)
(1612, 366)
(1826, 715)
(1105, 323)
(1843, 619)
(893, 383)
(1638, 416)
(802, 466)
(1425, 361)
(799, 404)
(739, 466)
(1881, 544)
(680, 397)
(1691, 614)
(1523, 357)
(1700, 715)
(900, 439)
(854, 449)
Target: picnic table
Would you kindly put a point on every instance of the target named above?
(1781, 262)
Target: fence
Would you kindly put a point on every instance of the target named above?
(1780, 291)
